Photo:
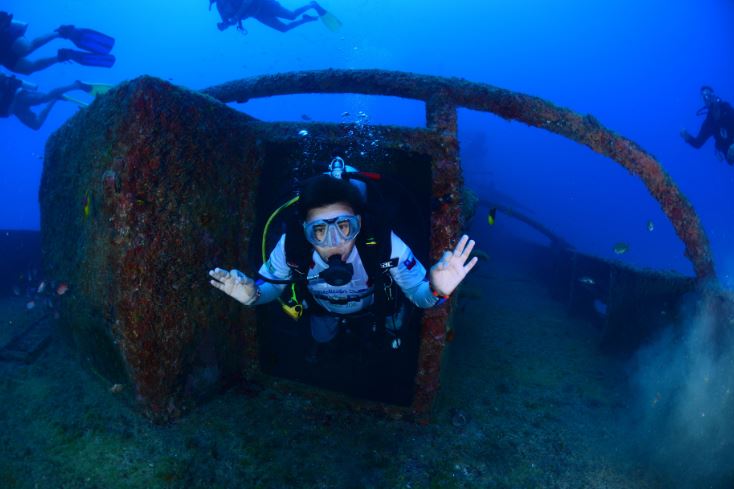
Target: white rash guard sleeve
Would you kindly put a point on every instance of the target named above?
(277, 269)
(410, 275)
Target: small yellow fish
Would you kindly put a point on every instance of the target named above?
(491, 216)
(621, 248)
(650, 226)
(87, 206)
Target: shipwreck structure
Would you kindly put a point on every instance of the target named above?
(154, 185)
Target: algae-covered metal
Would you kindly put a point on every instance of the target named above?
(154, 185)
(166, 196)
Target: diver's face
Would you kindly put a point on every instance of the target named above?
(331, 211)
(708, 96)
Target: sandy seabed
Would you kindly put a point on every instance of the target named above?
(527, 401)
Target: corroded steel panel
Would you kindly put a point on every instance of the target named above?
(141, 195)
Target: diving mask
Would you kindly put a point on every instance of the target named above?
(330, 233)
(709, 97)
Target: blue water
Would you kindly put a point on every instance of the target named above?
(525, 382)
(635, 65)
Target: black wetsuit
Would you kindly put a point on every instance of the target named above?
(265, 11)
(9, 86)
(8, 37)
(228, 8)
(721, 128)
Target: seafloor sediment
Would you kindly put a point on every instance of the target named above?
(527, 402)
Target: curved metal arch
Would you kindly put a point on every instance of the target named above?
(443, 95)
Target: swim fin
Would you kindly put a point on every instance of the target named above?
(86, 59)
(74, 100)
(87, 39)
(95, 89)
(330, 21)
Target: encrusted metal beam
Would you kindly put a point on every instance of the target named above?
(538, 226)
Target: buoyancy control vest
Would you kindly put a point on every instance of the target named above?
(8, 35)
(724, 128)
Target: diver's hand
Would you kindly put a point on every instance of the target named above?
(685, 135)
(451, 269)
(235, 284)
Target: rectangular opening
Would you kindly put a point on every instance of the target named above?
(361, 361)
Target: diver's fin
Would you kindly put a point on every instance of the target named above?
(87, 59)
(97, 88)
(93, 89)
(330, 21)
(88, 39)
(73, 100)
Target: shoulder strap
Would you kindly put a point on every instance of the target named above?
(374, 244)
(375, 248)
(298, 251)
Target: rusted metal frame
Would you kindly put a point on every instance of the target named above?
(446, 223)
(442, 143)
(510, 105)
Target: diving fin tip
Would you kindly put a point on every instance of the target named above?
(87, 59)
(330, 21)
(92, 40)
(76, 101)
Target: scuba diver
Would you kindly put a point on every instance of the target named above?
(269, 12)
(15, 47)
(345, 262)
(719, 123)
(17, 97)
